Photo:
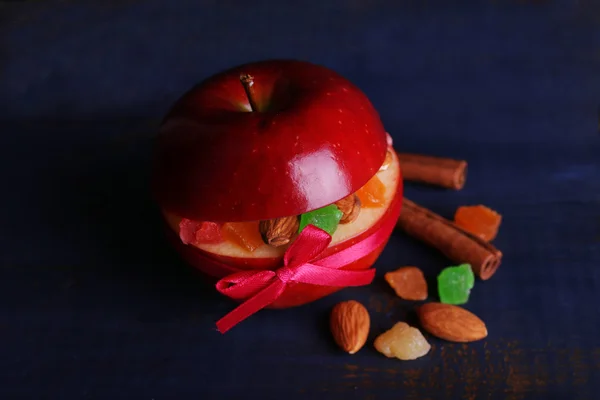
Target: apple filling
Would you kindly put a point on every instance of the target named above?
(343, 220)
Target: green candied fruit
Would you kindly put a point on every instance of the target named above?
(455, 284)
(326, 218)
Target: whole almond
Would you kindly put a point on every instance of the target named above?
(451, 323)
(350, 323)
(350, 207)
(278, 231)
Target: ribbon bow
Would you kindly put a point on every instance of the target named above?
(301, 264)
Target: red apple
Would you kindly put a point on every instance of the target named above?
(300, 138)
(314, 139)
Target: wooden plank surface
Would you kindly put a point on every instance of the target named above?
(93, 304)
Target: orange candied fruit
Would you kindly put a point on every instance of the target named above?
(243, 234)
(408, 282)
(479, 220)
(372, 194)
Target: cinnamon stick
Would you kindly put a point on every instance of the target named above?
(444, 172)
(454, 242)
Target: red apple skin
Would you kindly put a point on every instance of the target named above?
(315, 139)
(296, 294)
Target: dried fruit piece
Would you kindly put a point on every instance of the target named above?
(408, 283)
(350, 208)
(209, 232)
(403, 342)
(199, 232)
(349, 323)
(326, 218)
(455, 284)
(278, 231)
(243, 234)
(479, 220)
(372, 194)
(187, 230)
(451, 323)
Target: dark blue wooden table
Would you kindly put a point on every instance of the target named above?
(95, 305)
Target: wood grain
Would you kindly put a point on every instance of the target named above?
(501, 367)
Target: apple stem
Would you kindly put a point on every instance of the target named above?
(248, 83)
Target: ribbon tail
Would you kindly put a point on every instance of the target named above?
(255, 303)
(343, 278)
(323, 276)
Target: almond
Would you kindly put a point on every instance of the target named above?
(278, 231)
(350, 207)
(451, 323)
(350, 323)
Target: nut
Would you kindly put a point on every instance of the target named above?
(451, 323)
(350, 207)
(350, 323)
(279, 231)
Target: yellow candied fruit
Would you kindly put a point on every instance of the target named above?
(403, 342)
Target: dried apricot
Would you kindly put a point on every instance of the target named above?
(408, 283)
(372, 194)
(244, 234)
(479, 220)
(403, 342)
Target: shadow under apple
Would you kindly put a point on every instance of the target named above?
(93, 199)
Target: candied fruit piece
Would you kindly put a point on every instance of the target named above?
(244, 234)
(326, 218)
(455, 284)
(408, 283)
(403, 342)
(479, 220)
(372, 194)
(209, 232)
(187, 230)
(199, 232)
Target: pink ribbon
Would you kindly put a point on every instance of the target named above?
(301, 264)
(262, 288)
